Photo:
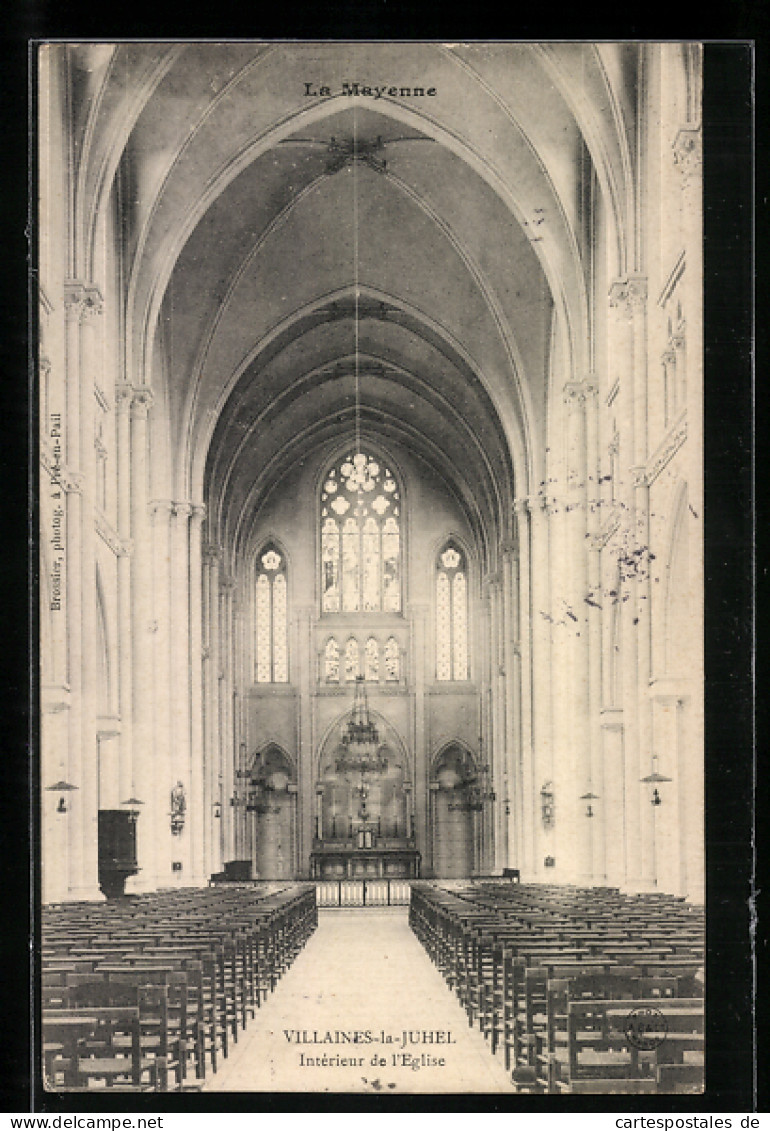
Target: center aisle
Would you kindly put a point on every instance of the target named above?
(362, 972)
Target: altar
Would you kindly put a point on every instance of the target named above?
(365, 856)
(364, 822)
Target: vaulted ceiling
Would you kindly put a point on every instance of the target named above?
(272, 235)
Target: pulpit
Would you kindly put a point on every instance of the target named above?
(117, 850)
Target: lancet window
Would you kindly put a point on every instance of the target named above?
(451, 614)
(272, 652)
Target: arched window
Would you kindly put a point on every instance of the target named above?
(352, 665)
(360, 537)
(372, 661)
(451, 614)
(332, 661)
(392, 672)
(272, 618)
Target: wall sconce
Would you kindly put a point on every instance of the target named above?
(654, 779)
(61, 787)
(549, 862)
(589, 797)
(217, 810)
(133, 812)
(547, 808)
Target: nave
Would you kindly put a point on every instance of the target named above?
(362, 972)
(244, 987)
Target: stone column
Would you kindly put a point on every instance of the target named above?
(210, 654)
(201, 830)
(534, 647)
(123, 396)
(148, 788)
(304, 670)
(90, 370)
(574, 765)
(512, 771)
(495, 750)
(487, 667)
(165, 775)
(181, 681)
(637, 298)
(594, 605)
(625, 335)
(418, 615)
(226, 744)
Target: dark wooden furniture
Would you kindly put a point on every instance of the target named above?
(117, 850)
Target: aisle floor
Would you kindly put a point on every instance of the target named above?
(362, 972)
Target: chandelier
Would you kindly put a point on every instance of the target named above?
(474, 790)
(360, 740)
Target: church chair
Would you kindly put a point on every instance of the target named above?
(158, 1043)
(600, 1049)
(679, 1079)
(180, 1025)
(107, 1054)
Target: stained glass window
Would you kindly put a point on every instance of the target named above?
(352, 667)
(451, 615)
(360, 537)
(332, 661)
(271, 636)
(372, 660)
(392, 659)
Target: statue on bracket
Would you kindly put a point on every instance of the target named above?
(547, 812)
(178, 808)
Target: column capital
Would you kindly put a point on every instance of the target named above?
(71, 481)
(508, 548)
(93, 304)
(639, 476)
(211, 552)
(628, 293)
(521, 505)
(74, 298)
(82, 300)
(124, 394)
(578, 392)
(141, 401)
(198, 511)
(182, 510)
(687, 148)
(538, 503)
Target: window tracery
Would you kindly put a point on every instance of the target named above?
(360, 537)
